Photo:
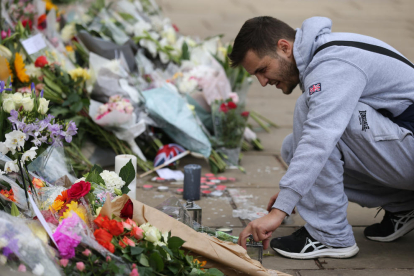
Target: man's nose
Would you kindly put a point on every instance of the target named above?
(263, 80)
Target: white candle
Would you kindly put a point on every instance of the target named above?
(121, 161)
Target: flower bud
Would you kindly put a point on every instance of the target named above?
(17, 99)
(28, 104)
(8, 105)
(43, 106)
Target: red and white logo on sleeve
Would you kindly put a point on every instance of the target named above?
(317, 87)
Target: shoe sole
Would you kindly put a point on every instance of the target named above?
(338, 253)
(407, 228)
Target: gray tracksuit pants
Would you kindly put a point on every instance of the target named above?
(372, 165)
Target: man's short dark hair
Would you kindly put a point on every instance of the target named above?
(260, 34)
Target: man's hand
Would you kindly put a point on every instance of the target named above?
(262, 228)
(271, 202)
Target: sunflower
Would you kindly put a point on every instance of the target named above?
(79, 210)
(19, 66)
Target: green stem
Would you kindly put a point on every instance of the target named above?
(254, 117)
(265, 119)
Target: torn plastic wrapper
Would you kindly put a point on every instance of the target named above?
(170, 111)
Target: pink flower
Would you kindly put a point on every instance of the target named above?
(66, 240)
(125, 241)
(108, 258)
(5, 34)
(134, 266)
(131, 222)
(80, 266)
(101, 115)
(134, 272)
(234, 97)
(64, 262)
(126, 225)
(22, 268)
(87, 252)
(137, 233)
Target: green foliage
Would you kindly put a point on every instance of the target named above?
(14, 211)
(94, 175)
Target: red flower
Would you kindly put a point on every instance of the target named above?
(114, 227)
(100, 220)
(128, 210)
(231, 105)
(79, 190)
(27, 22)
(41, 22)
(175, 28)
(104, 238)
(245, 114)
(223, 108)
(137, 233)
(41, 61)
(125, 241)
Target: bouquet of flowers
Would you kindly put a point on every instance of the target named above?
(229, 124)
(114, 113)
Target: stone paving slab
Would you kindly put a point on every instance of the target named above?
(352, 272)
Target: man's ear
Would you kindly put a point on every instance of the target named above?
(285, 47)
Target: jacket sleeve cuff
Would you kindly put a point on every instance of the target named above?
(287, 200)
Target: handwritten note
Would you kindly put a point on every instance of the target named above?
(34, 44)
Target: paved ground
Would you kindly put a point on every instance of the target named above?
(390, 21)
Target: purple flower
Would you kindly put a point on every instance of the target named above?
(41, 94)
(14, 117)
(11, 248)
(33, 87)
(2, 85)
(70, 131)
(65, 236)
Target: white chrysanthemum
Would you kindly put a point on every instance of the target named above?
(112, 180)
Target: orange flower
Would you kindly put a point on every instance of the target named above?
(57, 205)
(100, 220)
(63, 196)
(8, 194)
(197, 262)
(38, 182)
(125, 241)
(104, 238)
(19, 66)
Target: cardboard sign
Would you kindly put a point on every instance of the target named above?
(34, 44)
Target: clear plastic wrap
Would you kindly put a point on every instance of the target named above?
(174, 208)
(20, 244)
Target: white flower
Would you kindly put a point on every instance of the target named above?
(80, 179)
(211, 45)
(14, 139)
(188, 84)
(150, 46)
(170, 35)
(112, 180)
(11, 166)
(3, 149)
(28, 104)
(33, 71)
(8, 104)
(140, 27)
(30, 154)
(165, 236)
(43, 106)
(153, 235)
(68, 32)
(17, 99)
(3, 243)
(38, 270)
(3, 259)
(145, 226)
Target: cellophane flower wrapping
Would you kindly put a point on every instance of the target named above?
(20, 244)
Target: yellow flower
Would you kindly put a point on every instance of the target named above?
(19, 66)
(50, 5)
(57, 205)
(69, 48)
(79, 210)
(79, 73)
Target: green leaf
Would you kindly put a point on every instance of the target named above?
(174, 243)
(127, 173)
(52, 85)
(14, 211)
(136, 250)
(214, 272)
(167, 250)
(58, 110)
(125, 189)
(72, 98)
(76, 107)
(185, 53)
(127, 257)
(94, 176)
(156, 261)
(145, 271)
(144, 260)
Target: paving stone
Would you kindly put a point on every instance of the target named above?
(377, 255)
(353, 272)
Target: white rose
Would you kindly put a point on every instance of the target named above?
(153, 235)
(28, 104)
(8, 105)
(17, 99)
(165, 236)
(145, 226)
(43, 106)
(30, 154)
(11, 166)
(6, 96)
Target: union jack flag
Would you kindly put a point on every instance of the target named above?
(315, 88)
(167, 152)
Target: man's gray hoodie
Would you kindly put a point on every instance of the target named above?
(335, 80)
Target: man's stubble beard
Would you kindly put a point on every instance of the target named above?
(289, 74)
